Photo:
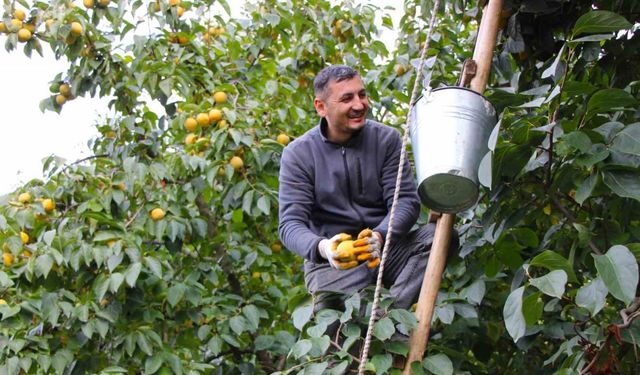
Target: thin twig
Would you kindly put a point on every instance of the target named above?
(81, 160)
(572, 219)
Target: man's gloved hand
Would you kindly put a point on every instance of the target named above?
(369, 244)
(328, 249)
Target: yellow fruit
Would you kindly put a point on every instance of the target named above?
(202, 119)
(15, 25)
(173, 3)
(3, 28)
(191, 124)
(110, 134)
(31, 27)
(65, 89)
(48, 23)
(104, 302)
(157, 6)
(7, 258)
(88, 3)
(220, 97)
(24, 35)
(236, 162)
(206, 37)
(19, 14)
(24, 198)
(180, 11)
(26, 254)
(276, 247)
(256, 275)
(24, 237)
(60, 99)
(111, 243)
(121, 186)
(104, 3)
(190, 139)
(157, 214)
(2, 302)
(76, 28)
(215, 115)
(399, 69)
(222, 124)
(48, 205)
(183, 39)
(283, 139)
(202, 142)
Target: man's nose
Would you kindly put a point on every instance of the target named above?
(359, 104)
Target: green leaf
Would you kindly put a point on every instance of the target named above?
(301, 348)
(44, 263)
(253, 316)
(154, 266)
(115, 280)
(554, 261)
(628, 140)
(618, 269)
(338, 369)
(585, 189)
(609, 100)
(513, 317)
(551, 284)
(438, 364)
(301, 316)
(592, 296)
(623, 184)
(474, 293)
(382, 363)
(48, 236)
(600, 21)
(237, 324)
(175, 294)
(383, 329)
(131, 276)
(532, 306)
(407, 318)
(316, 368)
(263, 342)
(264, 205)
(152, 364)
(578, 140)
(143, 343)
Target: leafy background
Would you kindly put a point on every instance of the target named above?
(546, 281)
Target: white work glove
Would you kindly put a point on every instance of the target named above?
(328, 249)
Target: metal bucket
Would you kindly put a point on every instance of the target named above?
(450, 128)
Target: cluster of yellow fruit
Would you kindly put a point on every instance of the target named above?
(8, 258)
(89, 4)
(17, 25)
(47, 203)
(204, 120)
(172, 3)
(64, 94)
(401, 69)
(213, 32)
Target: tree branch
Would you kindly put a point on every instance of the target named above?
(572, 219)
(234, 282)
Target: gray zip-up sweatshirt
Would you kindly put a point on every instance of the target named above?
(328, 188)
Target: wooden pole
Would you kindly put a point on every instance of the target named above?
(483, 55)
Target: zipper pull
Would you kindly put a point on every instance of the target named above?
(343, 150)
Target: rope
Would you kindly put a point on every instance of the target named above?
(403, 155)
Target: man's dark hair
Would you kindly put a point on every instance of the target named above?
(331, 73)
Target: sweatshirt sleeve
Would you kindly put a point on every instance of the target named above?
(296, 196)
(408, 207)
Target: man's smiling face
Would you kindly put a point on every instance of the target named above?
(344, 105)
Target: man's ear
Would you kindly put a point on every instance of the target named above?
(320, 107)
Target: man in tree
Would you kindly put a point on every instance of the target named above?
(336, 181)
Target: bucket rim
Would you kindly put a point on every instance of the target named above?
(457, 88)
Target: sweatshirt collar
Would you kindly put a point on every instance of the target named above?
(355, 139)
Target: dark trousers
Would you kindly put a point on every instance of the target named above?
(403, 272)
